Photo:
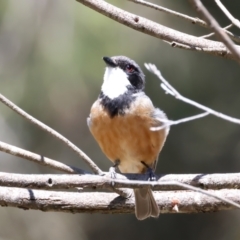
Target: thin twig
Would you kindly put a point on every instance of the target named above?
(52, 132)
(156, 30)
(213, 24)
(213, 33)
(234, 37)
(230, 34)
(7, 148)
(171, 12)
(234, 21)
(167, 122)
(169, 89)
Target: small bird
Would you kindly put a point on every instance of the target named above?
(121, 120)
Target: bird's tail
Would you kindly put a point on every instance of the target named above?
(146, 205)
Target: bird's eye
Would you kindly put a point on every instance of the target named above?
(129, 68)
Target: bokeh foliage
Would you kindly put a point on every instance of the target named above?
(50, 65)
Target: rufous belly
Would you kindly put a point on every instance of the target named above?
(127, 138)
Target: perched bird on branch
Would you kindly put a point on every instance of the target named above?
(121, 120)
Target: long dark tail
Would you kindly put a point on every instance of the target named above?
(146, 205)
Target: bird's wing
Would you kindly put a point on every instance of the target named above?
(158, 118)
(89, 121)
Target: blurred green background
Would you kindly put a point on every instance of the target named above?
(50, 65)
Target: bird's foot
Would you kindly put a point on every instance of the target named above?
(149, 172)
(112, 171)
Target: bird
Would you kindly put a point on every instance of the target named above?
(121, 119)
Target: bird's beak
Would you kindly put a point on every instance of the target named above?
(109, 61)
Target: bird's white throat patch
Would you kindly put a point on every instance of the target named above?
(115, 82)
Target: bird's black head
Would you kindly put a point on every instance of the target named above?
(123, 79)
(133, 71)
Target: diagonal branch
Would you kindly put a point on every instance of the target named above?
(15, 151)
(234, 21)
(52, 132)
(213, 24)
(156, 30)
(234, 37)
(230, 34)
(10, 179)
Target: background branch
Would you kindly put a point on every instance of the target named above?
(15, 151)
(57, 82)
(234, 21)
(156, 30)
(213, 24)
(14, 179)
(171, 12)
(230, 34)
(52, 132)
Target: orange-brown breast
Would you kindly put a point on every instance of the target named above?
(127, 137)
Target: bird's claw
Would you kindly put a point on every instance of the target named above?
(150, 172)
(112, 171)
(113, 175)
(152, 176)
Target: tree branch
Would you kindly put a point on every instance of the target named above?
(15, 151)
(213, 24)
(167, 122)
(52, 132)
(196, 21)
(213, 33)
(93, 181)
(55, 181)
(171, 12)
(186, 201)
(234, 21)
(159, 31)
(169, 89)
(230, 34)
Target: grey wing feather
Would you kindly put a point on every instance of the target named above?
(156, 114)
(159, 115)
(89, 122)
